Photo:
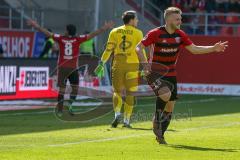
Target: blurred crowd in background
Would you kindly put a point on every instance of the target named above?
(204, 7)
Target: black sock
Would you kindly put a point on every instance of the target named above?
(60, 102)
(73, 94)
(157, 118)
(72, 98)
(160, 105)
(165, 121)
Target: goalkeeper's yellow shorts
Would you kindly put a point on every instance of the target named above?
(125, 76)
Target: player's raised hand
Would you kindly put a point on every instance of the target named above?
(108, 25)
(220, 46)
(32, 23)
(35, 25)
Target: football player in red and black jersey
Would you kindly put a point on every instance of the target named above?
(160, 70)
(68, 57)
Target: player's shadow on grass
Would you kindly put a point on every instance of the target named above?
(202, 148)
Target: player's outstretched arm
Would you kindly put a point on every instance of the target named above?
(35, 25)
(217, 47)
(105, 27)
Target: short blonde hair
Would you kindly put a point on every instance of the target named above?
(171, 10)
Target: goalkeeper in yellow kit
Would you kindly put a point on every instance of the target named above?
(121, 44)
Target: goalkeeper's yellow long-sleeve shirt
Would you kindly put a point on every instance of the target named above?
(123, 41)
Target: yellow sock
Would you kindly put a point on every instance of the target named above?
(117, 102)
(128, 108)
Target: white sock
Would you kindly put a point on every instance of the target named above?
(126, 121)
(117, 114)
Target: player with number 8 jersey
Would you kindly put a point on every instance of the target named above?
(68, 59)
(69, 49)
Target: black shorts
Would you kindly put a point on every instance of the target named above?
(156, 82)
(65, 74)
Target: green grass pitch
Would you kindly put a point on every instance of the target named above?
(203, 128)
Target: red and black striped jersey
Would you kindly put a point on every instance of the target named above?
(166, 49)
(69, 50)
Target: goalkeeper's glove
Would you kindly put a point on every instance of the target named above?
(99, 71)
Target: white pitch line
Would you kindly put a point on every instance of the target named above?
(138, 135)
(52, 105)
(99, 140)
(36, 102)
(122, 137)
(143, 105)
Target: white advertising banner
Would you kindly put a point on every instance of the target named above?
(208, 89)
(8, 76)
(33, 78)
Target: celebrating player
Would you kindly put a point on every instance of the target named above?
(166, 41)
(68, 58)
(121, 45)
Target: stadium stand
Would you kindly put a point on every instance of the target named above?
(212, 17)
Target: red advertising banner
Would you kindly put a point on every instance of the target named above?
(214, 68)
(33, 82)
(17, 44)
(31, 94)
(25, 78)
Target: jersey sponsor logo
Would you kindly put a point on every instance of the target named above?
(33, 78)
(169, 50)
(8, 79)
